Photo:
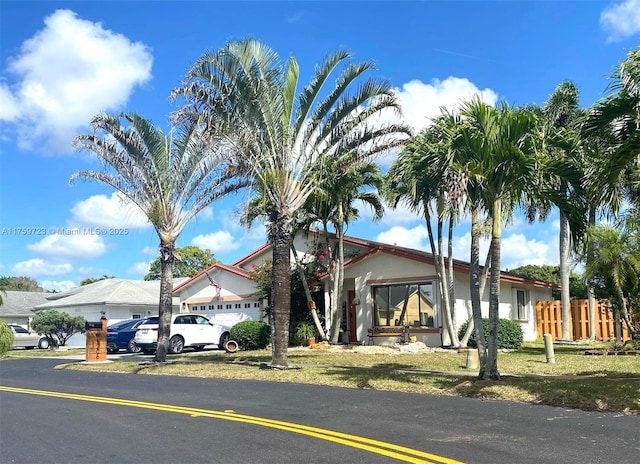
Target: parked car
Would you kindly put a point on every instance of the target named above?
(120, 336)
(22, 338)
(187, 330)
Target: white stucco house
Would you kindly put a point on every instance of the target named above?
(390, 292)
(115, 299)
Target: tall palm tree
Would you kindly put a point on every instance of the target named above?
(170, 177)
(502, 153)
(337, 197)
(561, 114)
(248, 99)
(424, 178)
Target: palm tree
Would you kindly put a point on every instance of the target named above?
(561, 113)
(424, 178)
(248, 99)
(503, 165)
(336, 197)
(170, 177)
(616, 267)
(618, 115)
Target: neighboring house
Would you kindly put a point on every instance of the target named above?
(225, 294)
(115, 299)
(17, 307)
(389, 291)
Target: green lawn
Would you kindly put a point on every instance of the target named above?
(606, 383)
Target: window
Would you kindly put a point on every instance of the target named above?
(247, 305)
(228, 306)
(404, 304)
(219, 306)
(521, 304)
(256, 305)
(238, 305)
(211, 307)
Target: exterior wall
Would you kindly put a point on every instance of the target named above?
(18, 320)
(228, 307)
(388, 269)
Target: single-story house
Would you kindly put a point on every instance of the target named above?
(115, 299)
(389, 291)
(17, 307)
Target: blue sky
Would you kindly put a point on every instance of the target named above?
(63, 62)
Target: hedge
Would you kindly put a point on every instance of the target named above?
(509, 334)
(251, 335)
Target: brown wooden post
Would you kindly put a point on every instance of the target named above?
(96, 344)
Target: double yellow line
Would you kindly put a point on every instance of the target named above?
(391, 450)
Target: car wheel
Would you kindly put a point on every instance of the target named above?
(176, 344)
(43, 344)
(224, 338)
(198, 347)
(132, 347)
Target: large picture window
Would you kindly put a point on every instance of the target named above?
(404, 304)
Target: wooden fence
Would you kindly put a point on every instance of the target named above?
(549, 320)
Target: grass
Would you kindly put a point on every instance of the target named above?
(603, 383)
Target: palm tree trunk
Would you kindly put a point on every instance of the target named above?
(590, 290)
(336, 320)
(564, 276)
(452, 300)
(476, 309)
(165, 307)
(494, 295)
(443, 287)
(483, 284)
(280, 234)
(310, 303)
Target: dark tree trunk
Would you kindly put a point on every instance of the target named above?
(281, 289)
(474, 282)
(165, 308)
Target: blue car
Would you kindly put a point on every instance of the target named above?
(120, 336)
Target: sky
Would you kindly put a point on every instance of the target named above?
(63, 62)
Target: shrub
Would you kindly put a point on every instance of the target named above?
(57, 326)
(251, 335)
(6, 338)
(509, 334)
(303, 332)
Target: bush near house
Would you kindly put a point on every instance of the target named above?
(509, 334)
(251, 335)
(6, 338)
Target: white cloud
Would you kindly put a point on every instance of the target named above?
(57, 285)
(140, 268)
(218, 242)
(416, 238)
(39, 267)
(92, 271)
(114, 211)
(83, 245)
(206, 214)
(67, 72)
(421, 102)
(621, 20)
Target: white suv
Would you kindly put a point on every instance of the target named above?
(187, 330)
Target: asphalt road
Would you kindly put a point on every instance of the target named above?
(191, 420)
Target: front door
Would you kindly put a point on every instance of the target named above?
(353, 308)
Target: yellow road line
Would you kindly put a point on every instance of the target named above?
(391, 450)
